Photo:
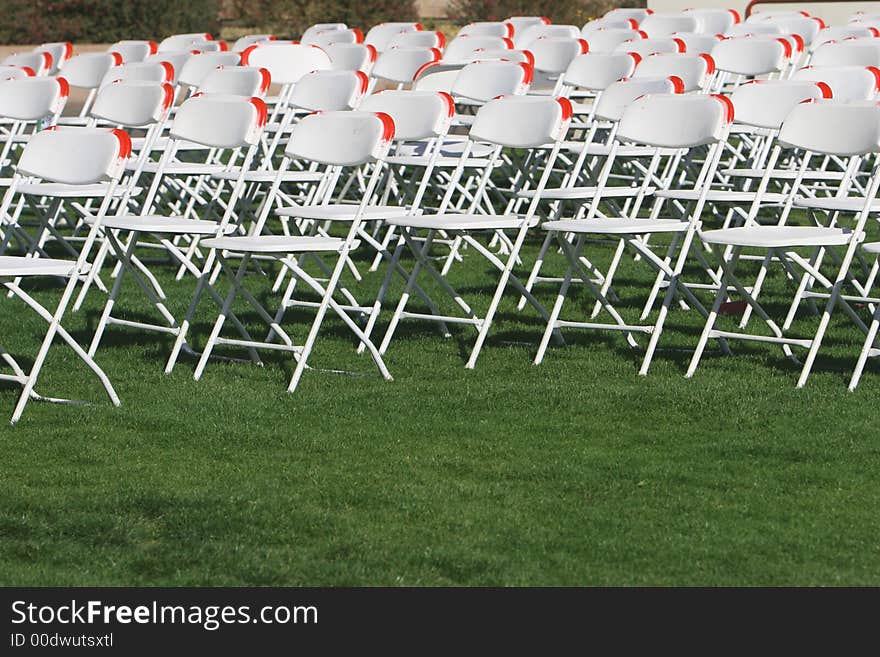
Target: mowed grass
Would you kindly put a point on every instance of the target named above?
(576, 472)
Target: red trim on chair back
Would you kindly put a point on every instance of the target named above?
(265, 80)
(68, 51)
(825, 89)
(28, 71)
(117, 58)
(47, 60)
(567, 109)
(710, 63)
(169, 70)
(358, 35)
(168, 98)
(786, 46)
(63, 87)
(528, 72)
(387, 126)
(736, 16)
(682, 46)
(450, 103)
(371, 49)
(507, 42)
(637, 58)
(677, 84)
(441, 39)
(246, 54)
(876, 73)
(124, 143)
(153, 47)
(585, 47)
(728, 106)
(364, 82)
(262, 111)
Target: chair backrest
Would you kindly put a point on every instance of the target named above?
(134, 103)
(841, 32)
(352, 57)
(10, 72)
(522, 23)
(39, 62)
(286, 62)
(524, 56)
(764, 15)
(147, 71)
(242, 43)
(697, 43)
(177, 58)
(554, 54)
(526, 37)
(522, 121)
(317, 28)
(851, 52)
(806, 27)
(329, 37)
(380, 35)
(695, 71)
(752, 55)
(437, 76)
(208, 46)
(402, 64)
(663, 24)
(421, 39)
(847, 83)
(341, 138)
(198, 66)
(621, 94)
(417, 115)
(637, 14)
(61, 51)
(713, 20)
(465, 48)
(608, 24)
(833, 128)
(237, 81)
(766, 103)
(646, 47)
(183, 41)
(676, 121)
(86, 71)
(32, 98)
(133, 51)
(607, 40)
(76, 156)
(595, 71)
(330, 90)
(220, 121)
(482, 81)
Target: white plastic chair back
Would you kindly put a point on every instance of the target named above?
(485, 80)
(663, 24)
(86, 71)
(198, 66)
(134, 51)
(833, 128)
(595, 71)
(465, 48)
(329, 37)
(329, 90)
(220, 121)
(76, 156)
(554, 54)
(852, 52)
(694, 71)
(39, 62)
(753, 29)
(523, 56)
(697, 43)
(752, 55)
(352, 57)
(242, 43)
(417, 115)
(522, 121)
(676, 121)
(10, 72)
(646, 47)
(848, 83)
(711, 20)
(380, 35)
(608, 24)
(422, 39)
(341, 138)
(637, 14)
(133, 103)
(528, 36)
(237, 81)
(32, 98)
(522, 23)
(286, 62)
(146, 71)
(607, 41)
(61, 51)
(841, 32)
(177, 58)
(807, 28)
(402, 64)
(488, 28)
(317, 28)
(183, 41)
(766, 103)
(621, 94)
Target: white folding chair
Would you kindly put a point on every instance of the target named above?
(352, 57)
(379, 36)
(134, 51)
(68, 156)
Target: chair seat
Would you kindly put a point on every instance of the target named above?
(574, 193)
(720, 195)
(342, 212)
(616, 226)
(60, 190)
(160, 224)
(269, 176)
(845, 204)
(462, 222)
(770, 237)
(276, 244)
(872, 247)
(13, 266)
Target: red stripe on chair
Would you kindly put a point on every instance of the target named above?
(371, 53)
(874, 31)
(441, 39)
(825, 89)
(799, 41)
(424, 67)
(168, 98)
(224, 47)
(819, 21)
(510, 29)
(47, 61)
(682, 46)
(246, 54)
(876, 73)
(545, 20)
(63, 87)
(637, 58)
(507, 43)
(530, 58)
(208, 37)
(153, 47)
(450, 103)
(437, 54)
(169, 71)
(387, 126)
(265, 80)
(804, 13)
(68, 50)
(28, 71)
(736, 16)
(642, 34)
(358, 35)
(262, 111)
(528, 72)
(786, 47)
(567, 109)
(677, 84)
(633, 23)
(710, 63)
(117, 58)
(419, 27)
(585, 47)
(728, 106)
(363, 80)
(649, 11)
(124, 143)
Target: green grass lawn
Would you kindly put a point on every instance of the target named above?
(577, 472)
